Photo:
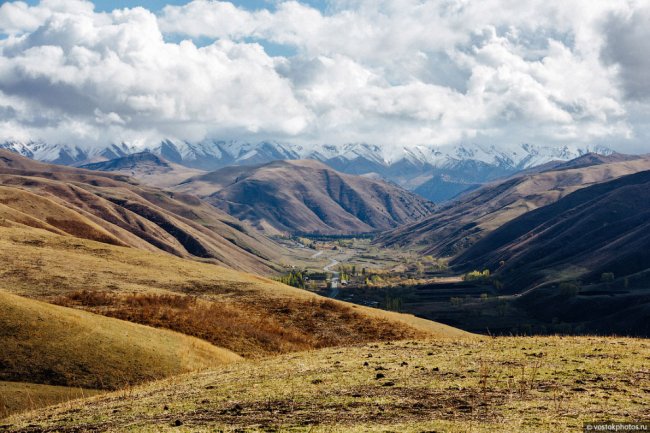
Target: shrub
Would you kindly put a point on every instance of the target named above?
(294, 279)
(91, 298)
(477, 275)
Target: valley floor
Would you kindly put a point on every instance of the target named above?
(398, 279)
(508, 384)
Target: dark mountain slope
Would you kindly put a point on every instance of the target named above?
(582, 261)
(128, 162)
(146, 167)
(603, 228)
(460, 224)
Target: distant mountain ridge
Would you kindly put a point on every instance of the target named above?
(307, 196)
(129, 162)
(463, 222)
(147, 167)
(419, 168)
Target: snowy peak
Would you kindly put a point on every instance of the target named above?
(23, 149)
(435, 172)
(212, 154)
(67, 154)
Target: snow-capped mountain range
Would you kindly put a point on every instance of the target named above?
(411, 167)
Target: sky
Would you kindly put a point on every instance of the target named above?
(395, 73)
(158, 5)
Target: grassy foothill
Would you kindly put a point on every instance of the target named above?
(505, 384)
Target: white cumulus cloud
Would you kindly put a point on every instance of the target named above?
(116, 69)
(390, 72)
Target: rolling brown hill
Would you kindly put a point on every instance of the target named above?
(215, 312)
(148, 168)
(118, 210)
(307, 197)
(104, 278)
(53, 345)
(462, 223)
(583, 258)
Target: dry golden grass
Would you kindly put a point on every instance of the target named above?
(248, 333)
(46, 266)
(252, 316)
(252, 328)
(40, 212)
(517, 384)
(48, 344)
(20, 396)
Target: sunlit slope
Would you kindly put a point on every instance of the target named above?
(21, 396)
(57, 268)
(521, 384)
(48, 344)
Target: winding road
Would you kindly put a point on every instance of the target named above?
(334, 287)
